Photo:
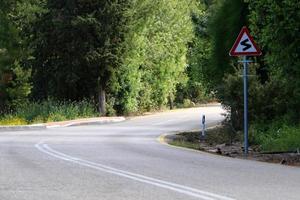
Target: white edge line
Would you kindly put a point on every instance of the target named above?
(160, 183)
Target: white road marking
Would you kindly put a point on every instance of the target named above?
(133, 176)
(165, 121)
(52, 126)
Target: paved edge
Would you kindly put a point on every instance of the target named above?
(80, 122)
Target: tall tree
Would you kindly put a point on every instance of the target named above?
(217, 29)
(15, 86)
(155, 60)
(77, 46)
(198, 56)
(226, 22)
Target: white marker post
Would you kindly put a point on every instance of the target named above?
(203, 127)
(245, 46)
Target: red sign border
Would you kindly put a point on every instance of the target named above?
(237, 41)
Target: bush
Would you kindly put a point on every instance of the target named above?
(55, 117)
(285, 139)
(231, 96)
(50, 110)
(12, 120)
(279, 136)
(188, 103)
(267, 101)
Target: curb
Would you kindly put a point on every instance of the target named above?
(87, 122)
(62, 124)
(23, 128)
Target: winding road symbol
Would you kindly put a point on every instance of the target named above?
(247, 46)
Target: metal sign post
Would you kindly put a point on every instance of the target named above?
(245, 63)
(245, 46)
(245, 81)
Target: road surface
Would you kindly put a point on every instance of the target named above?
(124, 161)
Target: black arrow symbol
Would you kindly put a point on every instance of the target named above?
(247, 46)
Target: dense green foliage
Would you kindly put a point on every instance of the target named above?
(130, 56)
(199, 49)
(77, 47)
(276, 25)
(14, 79)
(155, 57)
(127, 55)
(225, 23)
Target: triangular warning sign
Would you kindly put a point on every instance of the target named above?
(244, 45)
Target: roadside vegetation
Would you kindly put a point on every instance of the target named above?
(282, 148)
(112, 57)
(276, 137)
(48, 111)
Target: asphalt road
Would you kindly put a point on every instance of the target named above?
(125, 161)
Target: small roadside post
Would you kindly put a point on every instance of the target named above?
(203, 127)
(245, 46)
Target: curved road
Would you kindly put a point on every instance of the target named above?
(125, 161)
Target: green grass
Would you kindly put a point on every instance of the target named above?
(183, 143)
(285, 138)
(49, 111)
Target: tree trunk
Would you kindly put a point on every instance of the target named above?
(101, 100)
(171, 103)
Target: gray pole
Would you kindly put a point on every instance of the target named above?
(245, 62)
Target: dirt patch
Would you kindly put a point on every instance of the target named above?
(220, 140)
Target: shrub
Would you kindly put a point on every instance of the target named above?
(284, 139)
(279, 136)
(12, 120)
(49, 110)
(188, 103)
(55, 117)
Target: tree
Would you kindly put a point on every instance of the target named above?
(199, 53)
(155, 59)
(14, 75)
(229, 17)
(276, 26)
(216, 29)
(77, 49)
